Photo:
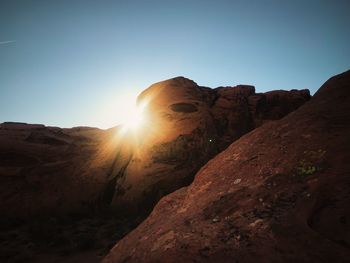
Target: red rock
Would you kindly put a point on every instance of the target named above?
(291, 205)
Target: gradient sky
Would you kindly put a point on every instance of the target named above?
(70, 63)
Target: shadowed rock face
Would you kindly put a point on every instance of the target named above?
(49, 170)
(183, 107)
(280, 193)
(188, 125)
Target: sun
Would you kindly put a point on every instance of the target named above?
(128, 113)
(135, 118)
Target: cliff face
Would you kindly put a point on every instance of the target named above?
(280, 193)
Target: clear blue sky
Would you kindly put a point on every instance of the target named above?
(70, 63)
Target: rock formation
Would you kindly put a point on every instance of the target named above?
(188, 125)
(112, 179)
(278, 194)
(45, 170)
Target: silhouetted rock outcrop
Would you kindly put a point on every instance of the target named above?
(278, 194)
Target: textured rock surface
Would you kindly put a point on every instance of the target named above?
(279, 194)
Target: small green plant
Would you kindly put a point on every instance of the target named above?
(305, 170)
(311, 163)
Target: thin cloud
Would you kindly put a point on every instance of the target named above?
(7, 42)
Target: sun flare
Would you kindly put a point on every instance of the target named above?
(135, 118)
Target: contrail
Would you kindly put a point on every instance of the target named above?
(7, 42)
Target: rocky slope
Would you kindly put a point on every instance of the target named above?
(279, 194)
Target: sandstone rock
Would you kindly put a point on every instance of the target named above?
(303, 218)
